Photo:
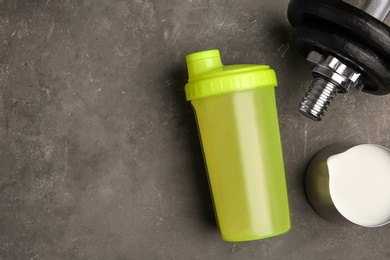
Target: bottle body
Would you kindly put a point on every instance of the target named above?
(242, 149)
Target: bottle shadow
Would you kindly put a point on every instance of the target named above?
(186, 121)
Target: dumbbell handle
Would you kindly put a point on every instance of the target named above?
(377, 8)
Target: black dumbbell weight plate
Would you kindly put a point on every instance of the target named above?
(347, 19)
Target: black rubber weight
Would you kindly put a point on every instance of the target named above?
(375, 73)
(357, 24)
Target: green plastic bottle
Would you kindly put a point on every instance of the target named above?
(237, 121)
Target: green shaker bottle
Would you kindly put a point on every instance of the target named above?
(238, 125)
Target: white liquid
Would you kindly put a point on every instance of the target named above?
(359, 182)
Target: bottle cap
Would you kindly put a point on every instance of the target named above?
(207, 76)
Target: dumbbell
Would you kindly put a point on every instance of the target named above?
(348, 47)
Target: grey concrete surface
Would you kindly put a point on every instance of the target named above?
(99, 155)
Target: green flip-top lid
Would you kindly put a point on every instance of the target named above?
(207, 76)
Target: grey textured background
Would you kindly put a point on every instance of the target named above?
(99, 155)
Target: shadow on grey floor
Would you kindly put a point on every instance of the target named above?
(186, 119)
